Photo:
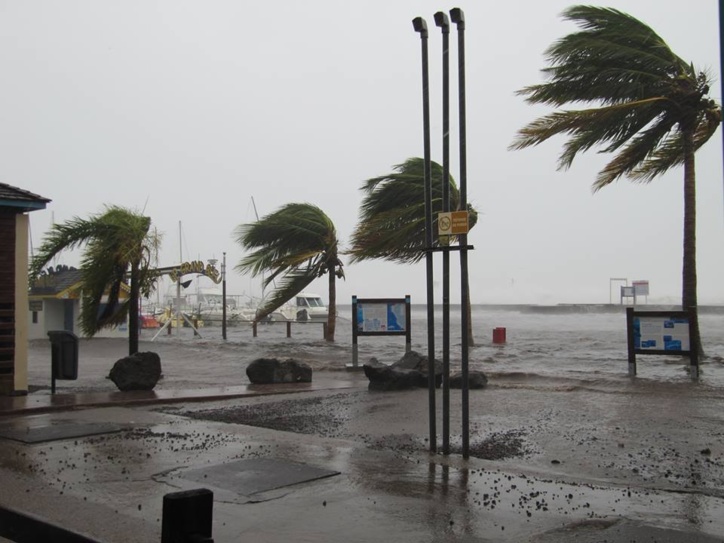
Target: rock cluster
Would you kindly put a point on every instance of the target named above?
(411, 371)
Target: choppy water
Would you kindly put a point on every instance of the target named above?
(586, 345)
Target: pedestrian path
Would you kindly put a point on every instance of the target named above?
(43, 403)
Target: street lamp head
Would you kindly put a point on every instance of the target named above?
(419, 24)
(442, 21)
(457, 16)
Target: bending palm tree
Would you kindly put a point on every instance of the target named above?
(117, 245)
(392, 215)
(297, 243)
(653, 111)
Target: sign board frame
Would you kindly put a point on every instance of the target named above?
(660, 333)
(378, 310)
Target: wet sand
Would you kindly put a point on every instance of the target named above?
(552, 459)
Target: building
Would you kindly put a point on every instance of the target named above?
(55, 302)
(15, 204)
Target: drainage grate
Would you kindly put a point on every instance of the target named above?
(254, 475)
(55, 432)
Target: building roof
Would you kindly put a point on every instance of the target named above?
(63, 282)
(55, 282)
(20, 200)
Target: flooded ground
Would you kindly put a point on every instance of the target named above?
(564, 446)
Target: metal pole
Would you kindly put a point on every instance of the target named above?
(178, 283)
(420, 26)
(442, 21)
(355, 329)
(721, 58)
(223, 297)
(458, 17)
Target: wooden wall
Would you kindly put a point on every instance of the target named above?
(7, 301)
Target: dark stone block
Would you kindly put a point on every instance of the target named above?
(265, 371)
(476, 379)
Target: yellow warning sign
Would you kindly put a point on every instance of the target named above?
(452, 223)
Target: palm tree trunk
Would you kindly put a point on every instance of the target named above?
(469, 309)
(689, 282)
(133, 311)
(332, 316)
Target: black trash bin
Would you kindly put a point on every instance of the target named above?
(63, 355)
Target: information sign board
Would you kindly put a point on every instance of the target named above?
(382, 317)
(661, 333)
(665, 333)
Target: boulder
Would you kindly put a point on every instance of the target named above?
(409, 372)
(265, 371)
(412, 360)
(140, 371)
(476, 379)
(384, 377)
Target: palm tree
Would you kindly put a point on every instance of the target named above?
(118, 248)
(392, 216)
(650, 108)
(297, 243)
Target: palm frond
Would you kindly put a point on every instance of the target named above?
(391, 221)
(614, 59)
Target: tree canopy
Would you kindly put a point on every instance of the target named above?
(647, 98)
(391, 223)
(117, 251)
(296, 245)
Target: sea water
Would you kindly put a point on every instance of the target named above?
(580, 344)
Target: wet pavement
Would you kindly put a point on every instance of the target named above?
(330, 461)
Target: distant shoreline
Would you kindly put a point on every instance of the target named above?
(565, 308)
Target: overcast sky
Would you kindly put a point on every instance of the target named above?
(188, 110)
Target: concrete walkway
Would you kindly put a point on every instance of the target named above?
(123, 452)
(44, 403)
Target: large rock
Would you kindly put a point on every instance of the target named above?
(265, 371)
(476, 379)
(412, 360)
(140, 371)
(383, 377)
(410, 371)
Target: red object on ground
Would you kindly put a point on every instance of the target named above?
(498, 335)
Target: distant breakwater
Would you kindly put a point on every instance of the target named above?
(562, 309)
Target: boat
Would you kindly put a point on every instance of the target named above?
(310, 308)
(305, 307)
(206, 307)
(208, 304)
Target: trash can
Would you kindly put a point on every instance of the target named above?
(64, 354)
(499, 335)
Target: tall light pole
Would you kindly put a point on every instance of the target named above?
(442, 21)
(420, 26)
(458, 17)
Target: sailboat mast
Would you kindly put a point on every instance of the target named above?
(178, 279)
